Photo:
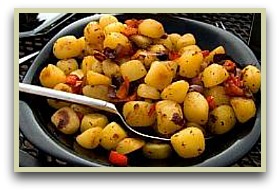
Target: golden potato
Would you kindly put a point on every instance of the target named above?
(174, 37)
(106, 20)
(153, 150)
(151, 28)
(196, 108)
(114, 27)
(190, 64)
(214, 74)
(251, 77)
(51, 75)
(111, 69)
(133, 70)
(170, 117)
(217, 50)
(67, 47)
(192, 124)
(82, 109)
(93, 120)
(90, 138)
(158, 49)
(141, 41)
(172, 65)
(166, 42)
(139, 113)
(67, 65)
(128, 145)
(115, 39)
(79, 73)
(111, 135)
(219, 95)
(244, 109)
(185, 40)
(96, 91)
(66, 120)
(148, 92)
(93, 33)
(189, 142)
(94, 78)
(190, 49)
(176, 91)
(159, 75)
(90, 63)
(221, 119)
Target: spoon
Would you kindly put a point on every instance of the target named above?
(80, 99)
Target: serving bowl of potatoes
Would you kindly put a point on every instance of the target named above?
(187, 81)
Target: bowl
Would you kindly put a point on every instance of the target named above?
(221, 151)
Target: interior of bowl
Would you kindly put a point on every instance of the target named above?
(220, 151)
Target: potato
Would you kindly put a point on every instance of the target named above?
(57, 104)
(67, 65)
(159, 75)
(251, 77)
(90, 63)
(148, 92)
(190, 64)
(189, 142)
(94, 78)
(159, 49)
(190, 49)
(93, 120)
(67, 47)
(214, 74)
(219, 95)
(172, 65)
(141, 41)
(185, 40)
(139, 113)
(114, 27)
(221, 119)
(96, 91)
(170, 117)
(128, 145)
(217, 50)
(66, 120)
(111, 135)
(94, 34)
(51, 75)
(82, 109)
(176, 91)
(83, 44)
(151, 28)
(196, 108)
(115, 39)
(111, 69)
(174, 37)
(133, 70)
(165, 42)
(90, 138)
(243, 108)
(153, 150)
(106, 20)
(192, 124)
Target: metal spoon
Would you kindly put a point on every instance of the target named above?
(80, 99)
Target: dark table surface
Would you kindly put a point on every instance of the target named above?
(238, 24)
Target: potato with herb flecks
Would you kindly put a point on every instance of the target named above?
(96, 91)
(219, 95)
(189, 142)
(90, 63)
(106, 20)
(93, 33)
(244, 108)
(156, 150)
(51, 75)
(66, 120)
(93, 120)
(185, 40)
(67, 65)
(251, 77)
(94, 78)
(176, 91)
(190, 64)
(111, 135)
(214, 74)
(148, 92)
(67, 47)
(133, 70)
(218, 50)
(151, 28)
(90, 138)
(128, 145)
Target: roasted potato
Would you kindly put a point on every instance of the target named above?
(169, 117)
(189, 142)
(111, 69)
(251, 77)
(90, 63)
(106, 20)
(82, 109)
(141, 41)
(217, 50)
(94, 78)
(190, 64)
(67, 65)
(67, 47)
(244, 109)
(114, 27)
(128, 145)
(214, 74)
(148, 92)
(111, 135)
(219, 95)
(139, 113)
(221, 119)
(90, 138)
(196, 108)
(93, 33)
(114, 39)
(156, 150)
(93, 120)
(185, 40)
(176, 91)
(151, 28)
(96, 91)
(133, 70)
(66, 120)
(51, 75)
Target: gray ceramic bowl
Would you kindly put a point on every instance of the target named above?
(221, 151)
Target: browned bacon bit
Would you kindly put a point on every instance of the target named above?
(122, 92)
(134, 23)
(178, 120)
(99, 56)
(71, 80)
(229, 65)
(211, 102)
(205, 53)
(234, 86)
(129, 31)
(152, 110)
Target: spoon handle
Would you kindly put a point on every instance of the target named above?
(80, 99)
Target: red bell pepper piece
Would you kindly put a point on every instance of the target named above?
(118, 159)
